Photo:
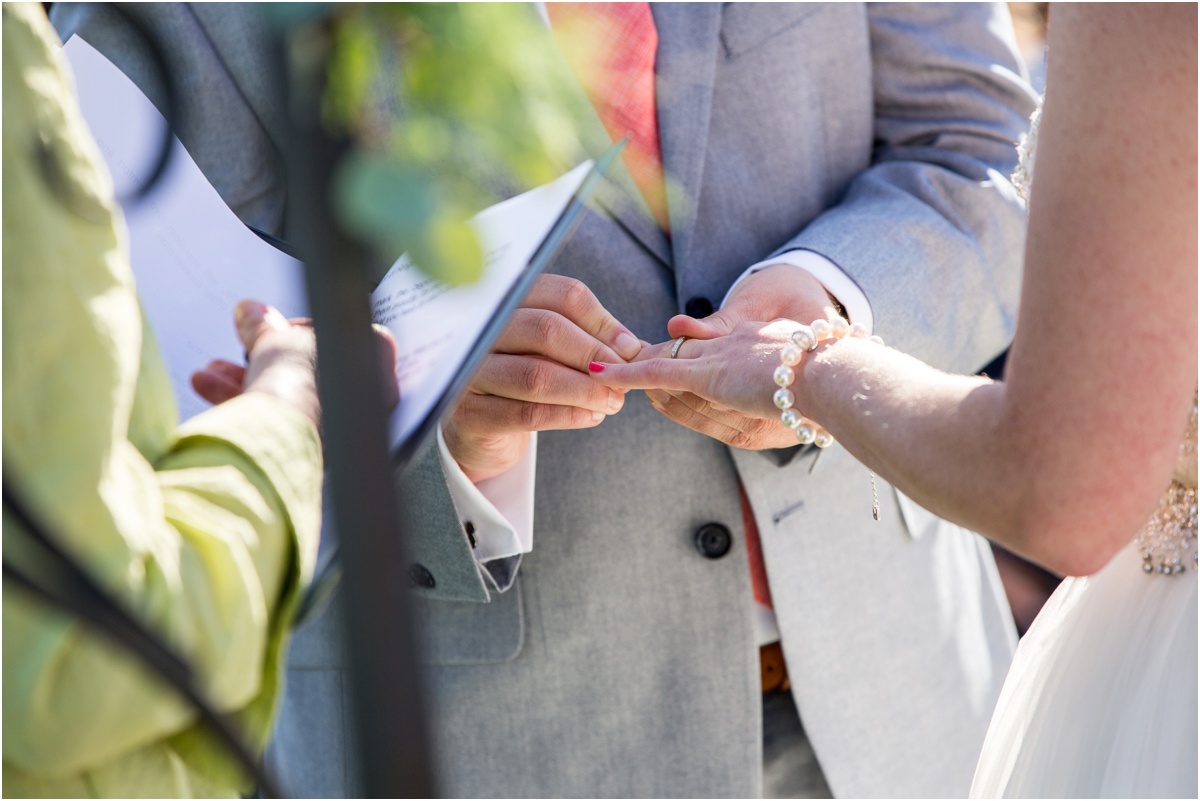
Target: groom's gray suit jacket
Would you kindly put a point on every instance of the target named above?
(615, 659)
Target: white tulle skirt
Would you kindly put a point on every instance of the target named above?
(1100, 701)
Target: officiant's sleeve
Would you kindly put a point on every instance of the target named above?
(933, 231)
(204, 532)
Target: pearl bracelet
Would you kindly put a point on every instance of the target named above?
(805, 339)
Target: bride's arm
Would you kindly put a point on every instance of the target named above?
(1067, 458)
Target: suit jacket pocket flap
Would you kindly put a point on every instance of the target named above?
(466, 633)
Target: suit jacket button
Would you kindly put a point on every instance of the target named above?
(698, 307)
(713, 540)
(421, 577)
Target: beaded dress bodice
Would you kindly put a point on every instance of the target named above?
(1167, 543)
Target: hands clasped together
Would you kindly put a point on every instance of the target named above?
(565, 362)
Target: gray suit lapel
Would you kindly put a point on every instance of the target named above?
(620, 197)
(236, 33)
(686, 68)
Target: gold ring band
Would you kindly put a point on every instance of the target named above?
(678, 344)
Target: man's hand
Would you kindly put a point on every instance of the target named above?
(779, 291)
(774, 292)
(537, 377)
(280, 361)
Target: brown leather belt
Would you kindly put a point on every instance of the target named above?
(774, 669)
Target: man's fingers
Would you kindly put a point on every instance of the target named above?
(674, 409)
(715, 325)
(573, 300)
(544, 382)
(728, 417)
(252, 317)
(550, 334)
(389, 354)
(746, 433)
(506, 415)
(228, 371)
(219, 381)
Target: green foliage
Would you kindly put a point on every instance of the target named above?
(451, 107)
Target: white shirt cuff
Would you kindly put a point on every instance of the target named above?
(500, 509)
(832, 277)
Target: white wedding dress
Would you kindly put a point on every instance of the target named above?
(1100, 701)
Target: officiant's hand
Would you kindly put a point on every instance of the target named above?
(774, 292)
(536, 379)
(280, 361)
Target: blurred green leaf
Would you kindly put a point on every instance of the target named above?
(451, 107)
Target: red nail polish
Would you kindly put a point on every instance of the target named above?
(596, 367)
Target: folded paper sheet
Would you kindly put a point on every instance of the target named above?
(193, 259)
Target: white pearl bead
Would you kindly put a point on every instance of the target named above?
(804, 338)
(791, 418)
(840, 327)
(805, 434)
(823, 439)
(784, 398)
(784, 375)
(858, 331)
(821, 330)
(878, 340)
(791, 355)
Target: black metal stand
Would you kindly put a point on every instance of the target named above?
(380, 634)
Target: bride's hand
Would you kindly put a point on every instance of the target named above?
(731, 375)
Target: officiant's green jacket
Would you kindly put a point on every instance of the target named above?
(618, 658)
(206, 532)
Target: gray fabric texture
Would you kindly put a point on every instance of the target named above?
(790, 768)
(621, 662)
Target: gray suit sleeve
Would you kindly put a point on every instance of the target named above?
(437, 542)
(228, 116)
(933, 232)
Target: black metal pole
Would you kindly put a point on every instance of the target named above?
(393, 750)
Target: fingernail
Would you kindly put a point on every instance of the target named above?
(627, 345)
(597, 417)
(656, 396)
(596, 367)
(248, 310)
(615, 401)
(274, 318)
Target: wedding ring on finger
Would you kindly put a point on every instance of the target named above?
(678, 344)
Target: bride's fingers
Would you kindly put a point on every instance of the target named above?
(682, 375)
(660, 351)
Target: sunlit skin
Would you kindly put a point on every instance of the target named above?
(1064, 460)
(280, 361)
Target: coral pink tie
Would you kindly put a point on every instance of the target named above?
(611, 48)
